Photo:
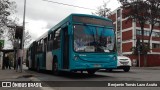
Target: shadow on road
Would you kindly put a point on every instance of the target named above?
(81, 75)
(111, 71)
(115, 71)
(71, 75)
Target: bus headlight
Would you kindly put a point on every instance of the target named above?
(75, 58)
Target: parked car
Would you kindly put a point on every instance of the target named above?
(123, 63)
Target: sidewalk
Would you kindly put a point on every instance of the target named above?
(9, 74)
(12, 75)
(148, 68)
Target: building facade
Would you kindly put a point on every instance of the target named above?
(127, 33)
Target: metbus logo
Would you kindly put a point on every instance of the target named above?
(6, 84)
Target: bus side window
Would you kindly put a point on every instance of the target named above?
(45, 44)
(56, 39)
(36, 46)
(48, 46)
(39, 46)
(50, 42)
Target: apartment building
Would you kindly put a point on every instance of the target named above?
(127, 33)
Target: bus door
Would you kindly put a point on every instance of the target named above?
(65, 46)
(44, 53)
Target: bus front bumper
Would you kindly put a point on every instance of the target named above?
(88, 66)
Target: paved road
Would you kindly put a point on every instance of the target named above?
(135, 74)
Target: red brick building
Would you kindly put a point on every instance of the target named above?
(127, 32)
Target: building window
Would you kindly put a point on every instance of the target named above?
(146, 33)
(138, 32)
(118, 33)
(154, 45)
(157, 24)
(156, 34)
(147, 22)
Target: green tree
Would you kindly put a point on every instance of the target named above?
(11, 36)
(153, 15)
(103, 11)
(136, 10)
(6, 9)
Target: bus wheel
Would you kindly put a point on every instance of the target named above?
(29, 68)
(91, 72)
(38, 68)
(55, 68)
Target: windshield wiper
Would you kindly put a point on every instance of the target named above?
(96, 41)
(92, 33)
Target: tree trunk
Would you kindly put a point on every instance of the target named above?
(143, 51)
(145, 60)
(150, 35)
(148, 46)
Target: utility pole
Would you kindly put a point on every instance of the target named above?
(22, 40)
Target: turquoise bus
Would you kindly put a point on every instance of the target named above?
(80, 42)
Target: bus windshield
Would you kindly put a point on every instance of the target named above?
(93, 39)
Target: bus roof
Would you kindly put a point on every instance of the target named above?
(69, 18)
(94, 16)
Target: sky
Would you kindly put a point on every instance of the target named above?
(42, 15)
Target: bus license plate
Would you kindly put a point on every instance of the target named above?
(97, 65)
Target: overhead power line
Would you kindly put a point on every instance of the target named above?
(69, 5)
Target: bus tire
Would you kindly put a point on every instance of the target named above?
(91, 72)
(38, 68)
(55, 67)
